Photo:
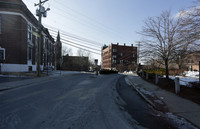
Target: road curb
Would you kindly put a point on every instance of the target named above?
(142, 95)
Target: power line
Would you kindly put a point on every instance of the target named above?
(84, 16)
(77, 44)
(81, 48)
(70, 34)
(75, 38)
(91, 19)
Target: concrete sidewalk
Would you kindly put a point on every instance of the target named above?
(52, 76)
(157, 96)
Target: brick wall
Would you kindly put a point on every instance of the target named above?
(14, 38)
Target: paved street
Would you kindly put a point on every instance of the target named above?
(78, 101)
(10, 79)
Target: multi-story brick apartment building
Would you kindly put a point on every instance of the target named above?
(19, 39)
(119, 57)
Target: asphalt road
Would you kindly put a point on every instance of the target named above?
(80, 101)
(69, 102)
(142, 111)
(11, 79)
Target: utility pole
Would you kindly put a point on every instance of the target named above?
(40, 12)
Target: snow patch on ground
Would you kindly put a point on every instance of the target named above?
(194, 74)
(177, 121)
(185, 80)
(128, 72)
(190, 76)
(181, 122)
(146, 92)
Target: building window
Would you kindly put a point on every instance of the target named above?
(114, 61)
(0, 25)
(114, 56)
(29, 53)
(2, 53)
(29, 35)
(44, 42)
(114, 50)
(121, 54)
(133, 55)
(121, 61)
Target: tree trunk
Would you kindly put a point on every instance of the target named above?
(166, 68)
(180, 63)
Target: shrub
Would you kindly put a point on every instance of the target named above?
(151, 76)
(155, 71)
(108, 72)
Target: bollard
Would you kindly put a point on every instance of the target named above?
(142, 74)
(156, 79)
(177, 85)
(147, 76)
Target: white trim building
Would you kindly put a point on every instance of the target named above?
(19, 39)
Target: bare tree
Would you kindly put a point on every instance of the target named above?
(189, 33)
(67, 51)
(191, 21)
(162, 38)
(81, 52)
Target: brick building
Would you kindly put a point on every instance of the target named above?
(119, 57)
(75, 63)
(19, 39)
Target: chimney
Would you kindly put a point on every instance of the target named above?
(117, 44)
(124, 44)
(131, 45)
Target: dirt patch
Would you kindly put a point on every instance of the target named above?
(192, 94)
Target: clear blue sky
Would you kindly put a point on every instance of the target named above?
(105, 21)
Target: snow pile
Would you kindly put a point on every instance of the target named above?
(194, 74)
(128, 72)
(185, 80)
(190, 76)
